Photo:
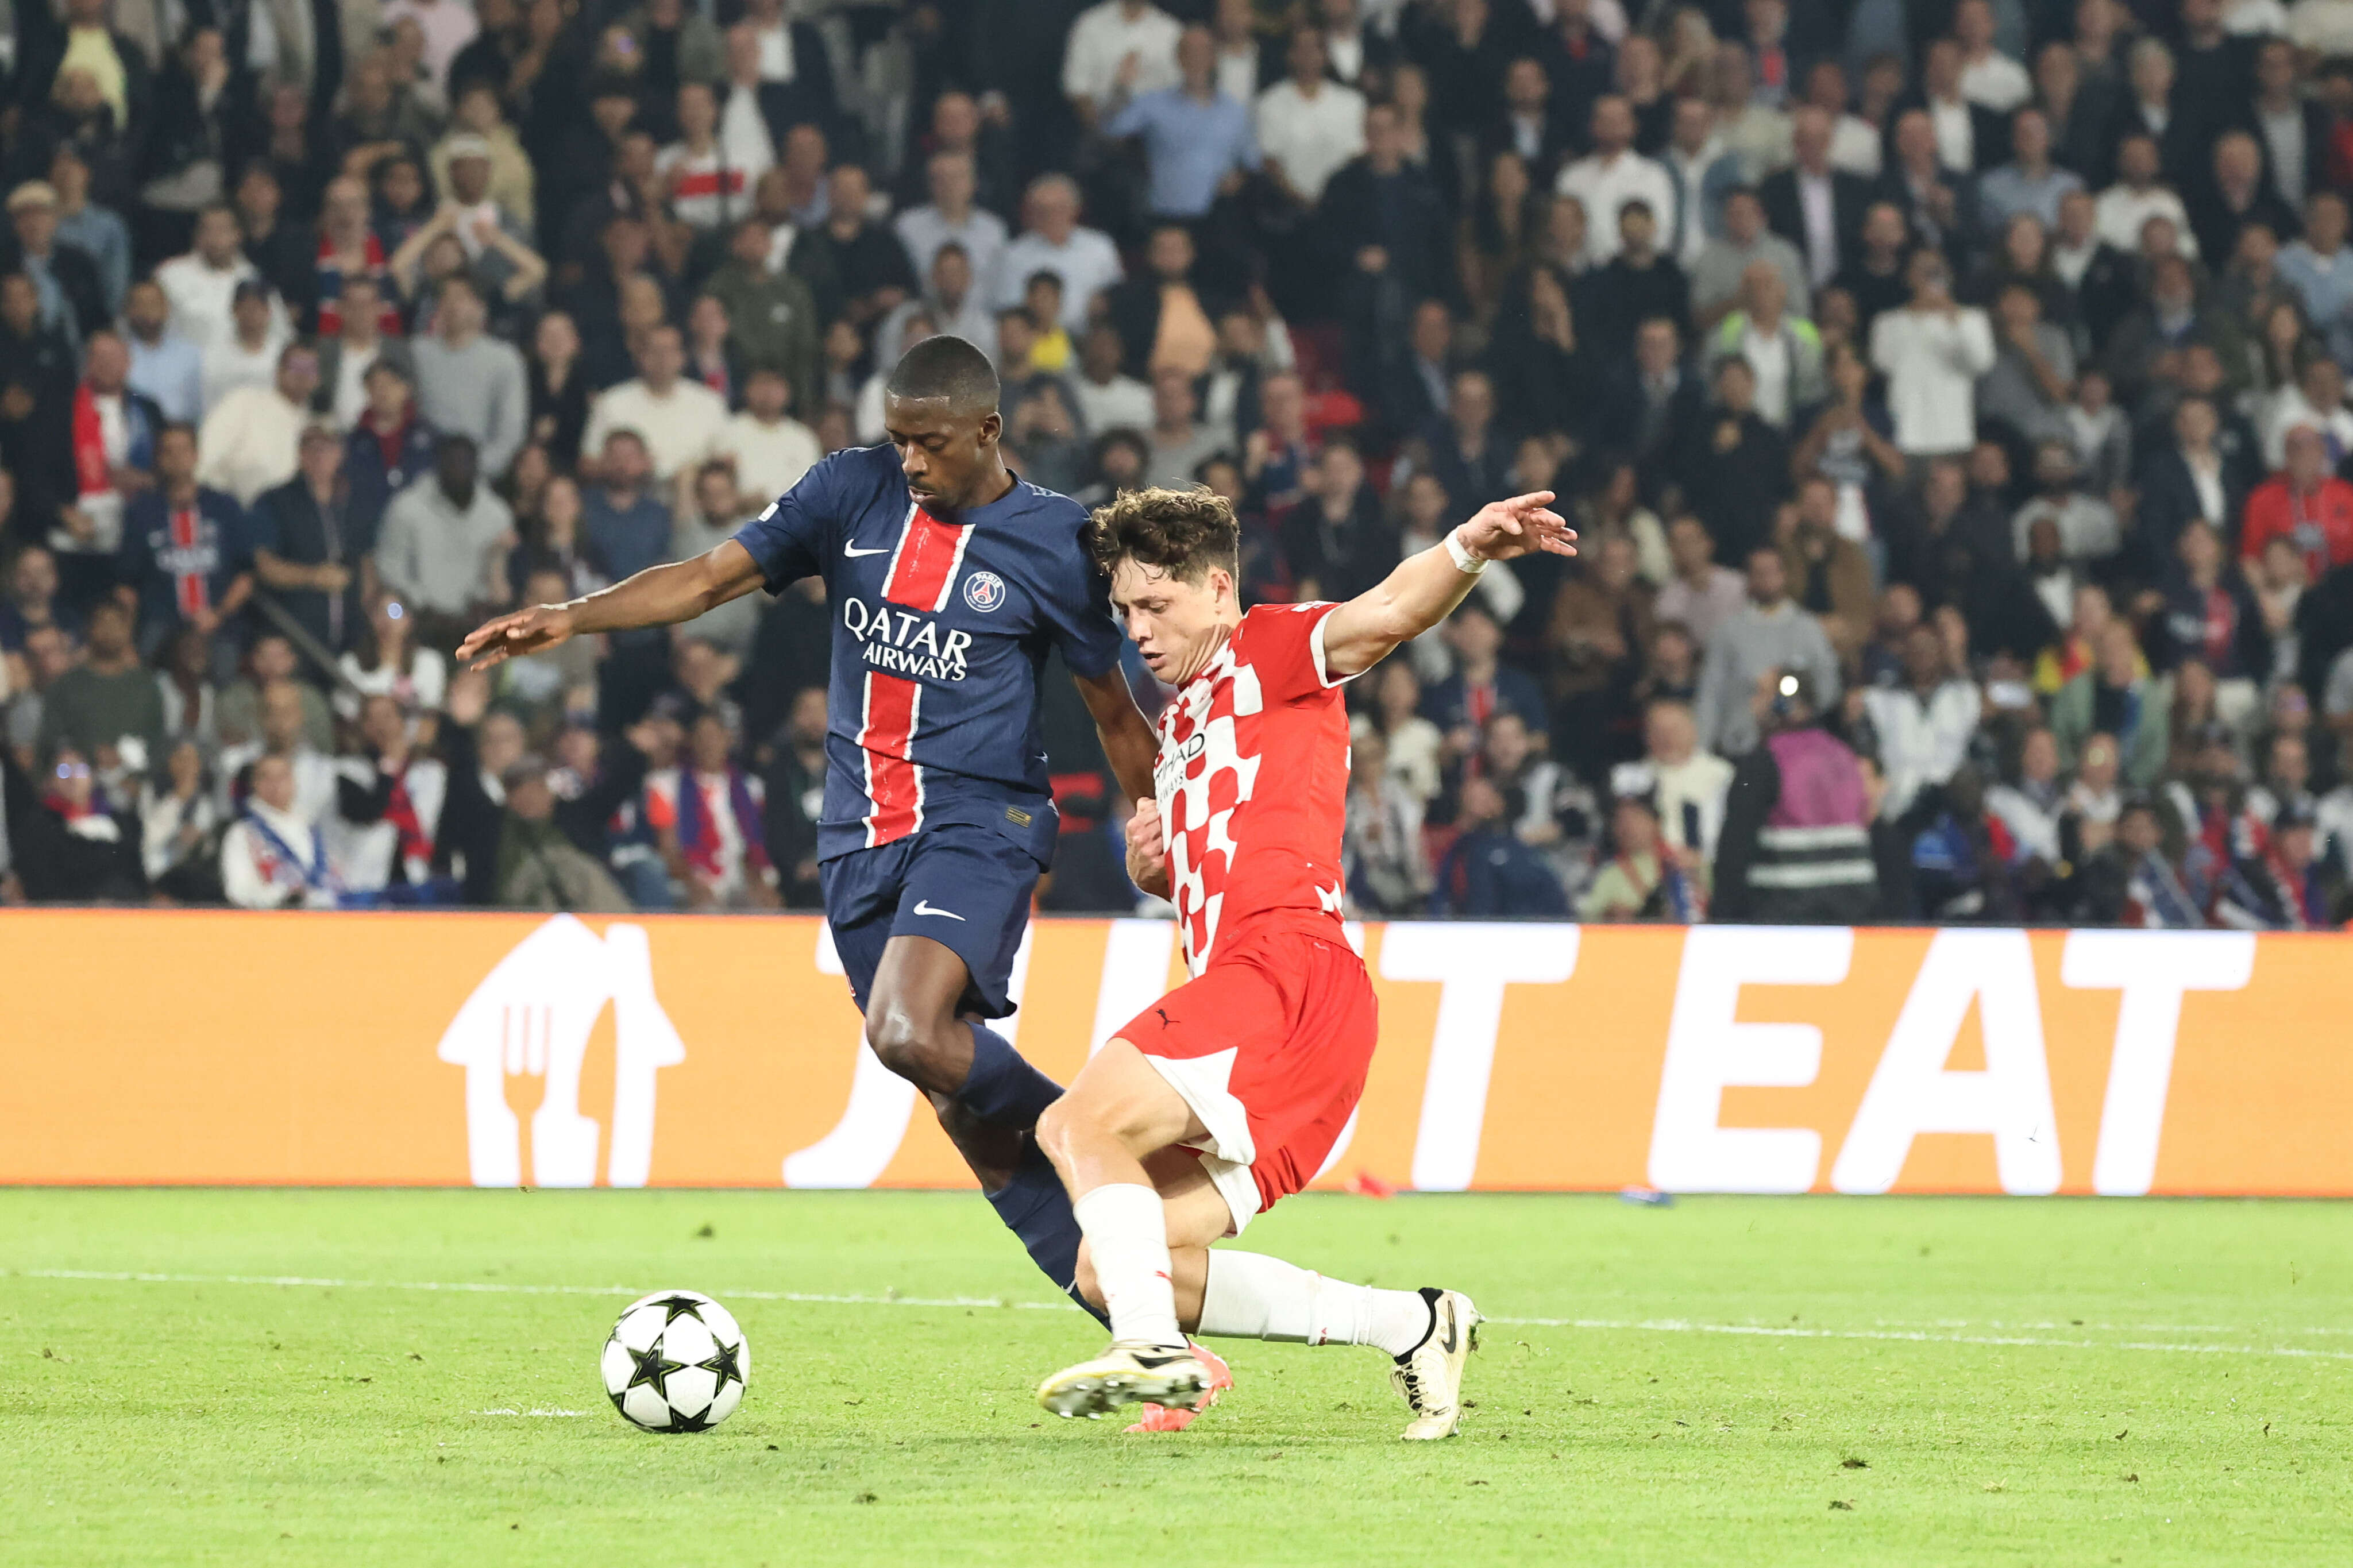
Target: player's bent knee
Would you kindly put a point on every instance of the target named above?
(908, 1048)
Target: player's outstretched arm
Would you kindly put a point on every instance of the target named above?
(657, 596)
(1425, 588)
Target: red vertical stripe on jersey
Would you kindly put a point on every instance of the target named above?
(190, 591)
(886, 738)
(925, 566)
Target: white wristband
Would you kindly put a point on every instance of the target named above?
(1463, 560)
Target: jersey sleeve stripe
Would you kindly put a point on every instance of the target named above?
(1315, 651)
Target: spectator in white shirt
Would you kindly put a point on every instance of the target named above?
(1610, 176)
(710, 177)
(247, 354)
(1987, 76)
(202, 284)
(274, 856)
(1932, 352)
(679, 418)
(1308, 125)
(1120, 47)
(1108, 400)
(951, 215)
(2138, 196)
(1055, 241)
(252, 440)
(1924, 725)
(771, 449)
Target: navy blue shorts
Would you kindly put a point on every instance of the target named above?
(966, 888)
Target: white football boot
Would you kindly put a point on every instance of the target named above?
(1127, 1373)
(1429, 1377)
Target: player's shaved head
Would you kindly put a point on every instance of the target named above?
(939, 408)
(945, 370)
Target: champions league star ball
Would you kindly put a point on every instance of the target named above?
(676, 1362)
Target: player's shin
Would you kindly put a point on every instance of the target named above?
(1250, 1296)
(1127, 1239)
(1036, 1207)
(1002, 1085)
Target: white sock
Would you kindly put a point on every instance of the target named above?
(1127, 1236)
(1250, 1296)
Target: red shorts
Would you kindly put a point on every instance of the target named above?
(1268, 1046)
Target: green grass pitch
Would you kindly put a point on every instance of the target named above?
(1761, 1381)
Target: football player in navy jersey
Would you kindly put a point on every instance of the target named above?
(950, 580)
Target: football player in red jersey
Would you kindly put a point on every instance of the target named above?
(1229, 1093)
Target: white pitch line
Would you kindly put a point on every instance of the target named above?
(1612, 1325)
(1679, 1326)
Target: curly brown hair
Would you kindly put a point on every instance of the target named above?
(1183, 532)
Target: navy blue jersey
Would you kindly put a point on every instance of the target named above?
(940, 629)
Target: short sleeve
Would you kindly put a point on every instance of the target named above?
(1283, 645)
(1078, 616)
(789, 540)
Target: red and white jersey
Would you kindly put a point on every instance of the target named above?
(1252, 780)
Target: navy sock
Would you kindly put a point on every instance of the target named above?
(1002, 1087)
(1036, 1207)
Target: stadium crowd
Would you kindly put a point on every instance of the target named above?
(1955, 386)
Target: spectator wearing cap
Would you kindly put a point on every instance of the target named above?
(477, 118)
(202, 284)
(487, 230)
(252, 436)
(308, 543)
(445, 543)
(469, 383)
(73, 297)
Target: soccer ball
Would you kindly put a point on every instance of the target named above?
(676, 1362)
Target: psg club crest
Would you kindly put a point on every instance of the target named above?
(983, 591)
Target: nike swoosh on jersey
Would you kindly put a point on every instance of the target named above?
(924, 907)
(854, 553)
